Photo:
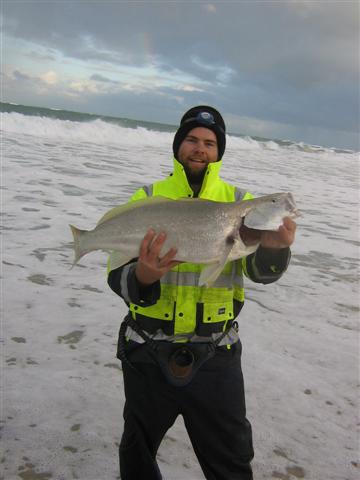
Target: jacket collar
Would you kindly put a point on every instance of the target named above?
(211, 178)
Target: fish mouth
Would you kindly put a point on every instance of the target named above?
(249, 236)
(295, 213)
(293, 210)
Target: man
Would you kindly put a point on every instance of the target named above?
(167, 307)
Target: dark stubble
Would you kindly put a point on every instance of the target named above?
(195, 178)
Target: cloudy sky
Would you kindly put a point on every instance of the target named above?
(276, 69)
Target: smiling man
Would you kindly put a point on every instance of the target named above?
(179, 344)
(198, 149)
(197, 146)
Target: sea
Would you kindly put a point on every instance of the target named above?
(62, 393)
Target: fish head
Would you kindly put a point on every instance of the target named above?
(268, 212)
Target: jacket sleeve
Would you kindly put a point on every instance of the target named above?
(266, 265)
(123, 281)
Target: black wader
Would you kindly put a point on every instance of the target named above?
(213, 408)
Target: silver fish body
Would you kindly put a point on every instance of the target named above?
(203, 231)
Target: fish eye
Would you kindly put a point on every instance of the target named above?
(273, 200)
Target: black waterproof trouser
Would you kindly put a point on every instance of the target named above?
(213, 408)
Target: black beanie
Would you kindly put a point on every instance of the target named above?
(201, 116)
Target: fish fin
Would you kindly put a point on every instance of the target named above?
(117, 259)
(211, 271)
(77, 234)
(114, 212)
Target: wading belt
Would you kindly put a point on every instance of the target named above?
(179, 362)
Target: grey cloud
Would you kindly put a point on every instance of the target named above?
(17, 79)
(86, 31)
(19, 76)
(248, 37)
(324, 107)
(42, 57)
(290, 62)
(100, 78)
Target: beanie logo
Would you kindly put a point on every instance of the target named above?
(206, 116)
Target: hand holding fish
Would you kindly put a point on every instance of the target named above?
(281, 238)
(150, 267)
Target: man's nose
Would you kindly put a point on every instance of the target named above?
(200, 147)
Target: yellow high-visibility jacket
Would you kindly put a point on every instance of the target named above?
(176, 304)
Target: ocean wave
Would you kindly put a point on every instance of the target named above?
(95, 131)
(103, 132)
(111, 132)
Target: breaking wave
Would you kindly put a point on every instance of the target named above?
(104, 131)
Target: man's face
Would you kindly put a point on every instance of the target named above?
(198, 149)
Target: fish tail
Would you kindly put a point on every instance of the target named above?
(79, 252)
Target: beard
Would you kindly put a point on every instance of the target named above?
(195, 178)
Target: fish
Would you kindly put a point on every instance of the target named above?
(203, 231)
